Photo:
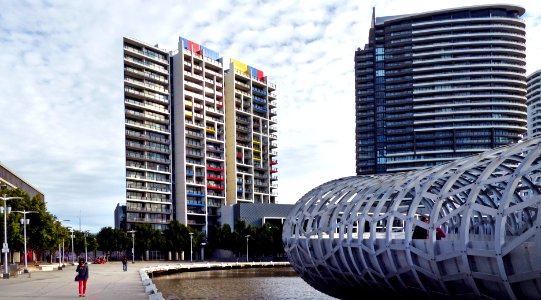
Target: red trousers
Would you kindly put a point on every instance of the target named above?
(82, 287)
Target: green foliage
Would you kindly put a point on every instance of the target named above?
(147, 238)
(176, 237)
(43, 232)
(263, 241)
(109, 239)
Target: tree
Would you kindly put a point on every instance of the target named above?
(147, 238)
(176, 237)
(239, 236)
(105, 240)
(42, 232)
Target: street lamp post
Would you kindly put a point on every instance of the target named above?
(5, 247)
(63, 253)
(25, 221)
(86, 252)
(72, 248)
(247, 237)
(191, 243)
(132, 245)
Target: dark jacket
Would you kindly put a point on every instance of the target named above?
(83, 271)
(124, 260)
(420, 233)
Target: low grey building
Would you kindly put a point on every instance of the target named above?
(13, 181)
(257, 214)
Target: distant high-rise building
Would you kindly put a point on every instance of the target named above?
(534, 104)
(432, 87)
(185, 135)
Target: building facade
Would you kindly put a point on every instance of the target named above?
(148, 135)
(251, 135)
(184, 134)
(534, 104)
(11, 180)
(436, 86)
(199, 135)
(258, 214)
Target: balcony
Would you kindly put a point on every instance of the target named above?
(273, 170)
(147, 220)
(214, 177)
(211, 168)
(195, 194)
(216, 187)
(148, 209)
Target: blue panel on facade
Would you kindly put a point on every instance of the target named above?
(210, 53)
(253, 71)
(184, 42)
(195, 195)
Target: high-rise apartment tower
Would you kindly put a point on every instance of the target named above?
(432, 87)
(534, 104)
(199, 134)
(148, 135)
(251, 135)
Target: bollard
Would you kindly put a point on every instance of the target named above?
(157, 296)
(151, 289)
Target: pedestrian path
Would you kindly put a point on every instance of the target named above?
(107, 282)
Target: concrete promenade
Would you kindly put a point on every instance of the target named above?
(106, 281)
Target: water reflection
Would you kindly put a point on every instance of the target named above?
(256, 283)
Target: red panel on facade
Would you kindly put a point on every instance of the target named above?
(260, 75)
(194, 46)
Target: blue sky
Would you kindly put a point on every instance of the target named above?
(61, 109)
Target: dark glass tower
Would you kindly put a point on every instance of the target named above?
(432, 87)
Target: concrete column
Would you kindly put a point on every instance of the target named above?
(176, 255)
(169, 255)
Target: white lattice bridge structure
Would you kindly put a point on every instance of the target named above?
(352, 237)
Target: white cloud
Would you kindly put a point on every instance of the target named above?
(61, 112)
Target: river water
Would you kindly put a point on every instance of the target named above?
(239, 284)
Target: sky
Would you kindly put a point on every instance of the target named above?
(61, 85)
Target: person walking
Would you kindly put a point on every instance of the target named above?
(82, 276)
(419, 232)
(124, 263)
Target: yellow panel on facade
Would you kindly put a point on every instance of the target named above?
(240, 66)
